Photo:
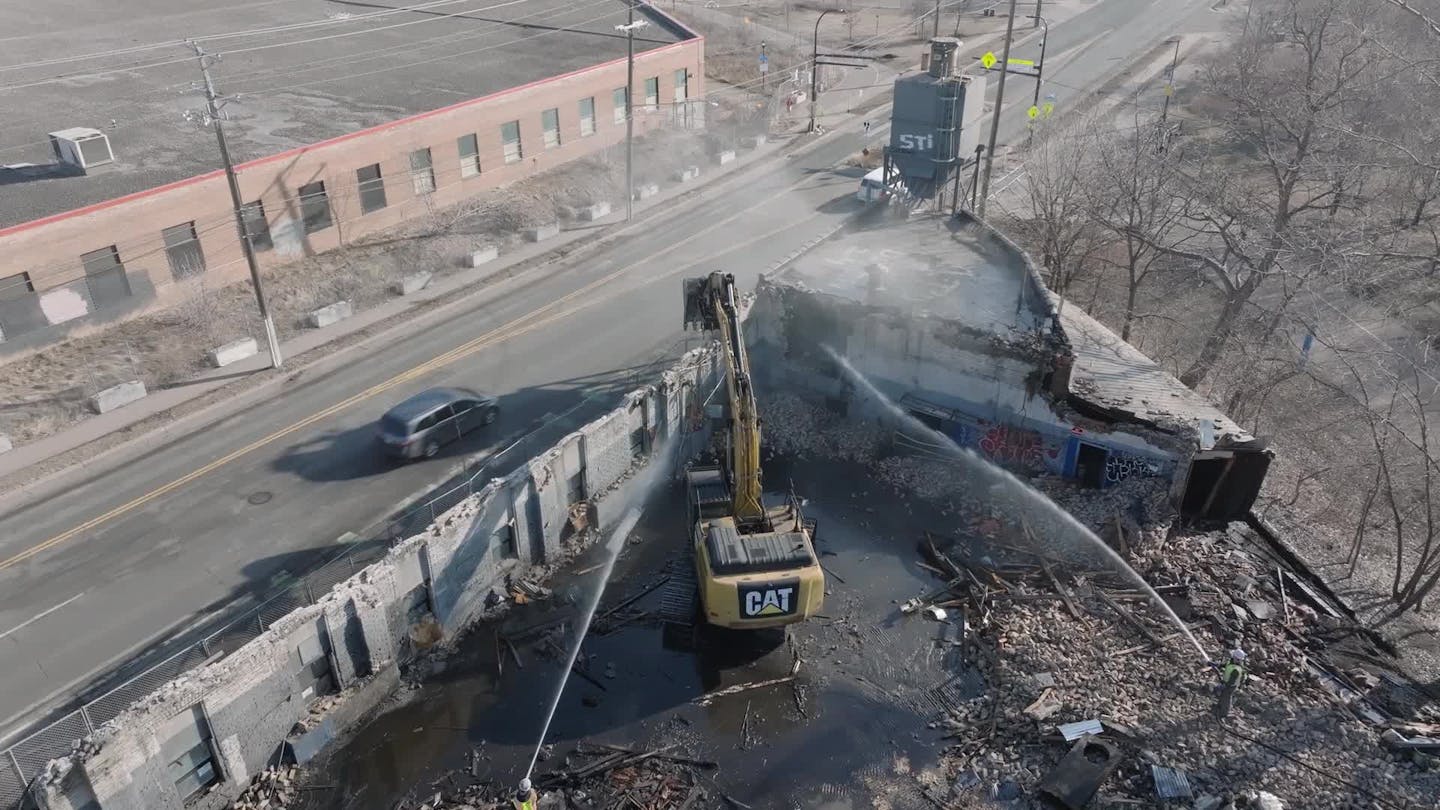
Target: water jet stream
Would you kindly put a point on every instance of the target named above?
(644, 484)
(1005, 486)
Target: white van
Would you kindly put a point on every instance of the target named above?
(872, 186)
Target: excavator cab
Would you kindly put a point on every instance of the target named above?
(755, 565)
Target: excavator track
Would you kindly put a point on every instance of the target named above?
(679, 599)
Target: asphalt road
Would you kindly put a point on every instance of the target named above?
(94, 598)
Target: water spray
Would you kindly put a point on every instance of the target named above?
(645, 483)
(1000, 481)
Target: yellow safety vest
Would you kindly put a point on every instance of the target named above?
(528, 803)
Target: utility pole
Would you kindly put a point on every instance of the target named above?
(995, 119)
(1170, 83)
(630, 28)
(1040, 68)
(1038, 11)
(935, 33)
(212, 110)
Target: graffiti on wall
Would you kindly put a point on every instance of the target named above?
(1120, 467)
(1016, 447)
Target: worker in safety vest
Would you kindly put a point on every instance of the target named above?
(1231, 676)
(525, 798)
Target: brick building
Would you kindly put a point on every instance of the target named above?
(81, 250)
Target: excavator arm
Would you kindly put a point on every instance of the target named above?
(711, 304)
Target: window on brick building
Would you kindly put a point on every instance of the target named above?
(257, 228)
(510, 142)
(315, 207)
(182, 249)
(550, 127)
(422, 172)
(682, 84)
(372, 188)
(469, 148)
(105, 277)
(652, 93)
(617, 98)
(587, 116)
(19, 306)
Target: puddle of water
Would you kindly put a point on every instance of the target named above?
(857, 713)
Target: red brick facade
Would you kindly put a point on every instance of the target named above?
(66, 299)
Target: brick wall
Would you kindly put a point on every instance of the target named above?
(49, 249)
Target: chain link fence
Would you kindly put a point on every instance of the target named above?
(25, 759)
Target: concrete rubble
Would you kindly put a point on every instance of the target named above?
(1051, 625)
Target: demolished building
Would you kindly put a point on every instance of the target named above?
(950, 320)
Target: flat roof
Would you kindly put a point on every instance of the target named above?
(1118, 377)
(356, 64)
(929, 265)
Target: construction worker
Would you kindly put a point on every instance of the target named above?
(525, 797)
(1231, 676)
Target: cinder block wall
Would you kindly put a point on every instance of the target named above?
(251, 699)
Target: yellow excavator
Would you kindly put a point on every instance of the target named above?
(755, 566)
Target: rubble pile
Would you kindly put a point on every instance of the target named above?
(592, 776)
(274, 788)
(1095, 693)
(794, 427)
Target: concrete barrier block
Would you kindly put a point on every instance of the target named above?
(599, 210)
(755, 141)
(117, 396)
(646, 191)
(327, 315)
(481, 255)
(687, 174)
(542, 232)
(728, 156)
(232, 352)
(413, 283)
(5, 444)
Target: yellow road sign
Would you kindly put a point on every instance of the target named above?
(1027, 62)
(1033, 112)
(988, 60)
(1048, 108)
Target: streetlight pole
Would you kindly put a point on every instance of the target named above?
(815, 65)
(212, 110)
(630, 28)
(995, 119)
(1040, 68)
(1039, 6)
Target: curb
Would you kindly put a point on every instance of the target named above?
(335, 354)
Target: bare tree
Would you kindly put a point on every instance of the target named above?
(1260, 200)
(1136, 198)
(1058, 222)
(1387, 392)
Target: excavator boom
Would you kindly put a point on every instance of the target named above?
(711, 304)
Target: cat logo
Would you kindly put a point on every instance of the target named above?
(769, 600)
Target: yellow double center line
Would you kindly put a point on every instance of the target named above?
(520, 326)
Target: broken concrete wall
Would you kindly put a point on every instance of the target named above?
(231, 717)
(987, 382)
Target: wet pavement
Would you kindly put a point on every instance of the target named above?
(849, 731)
